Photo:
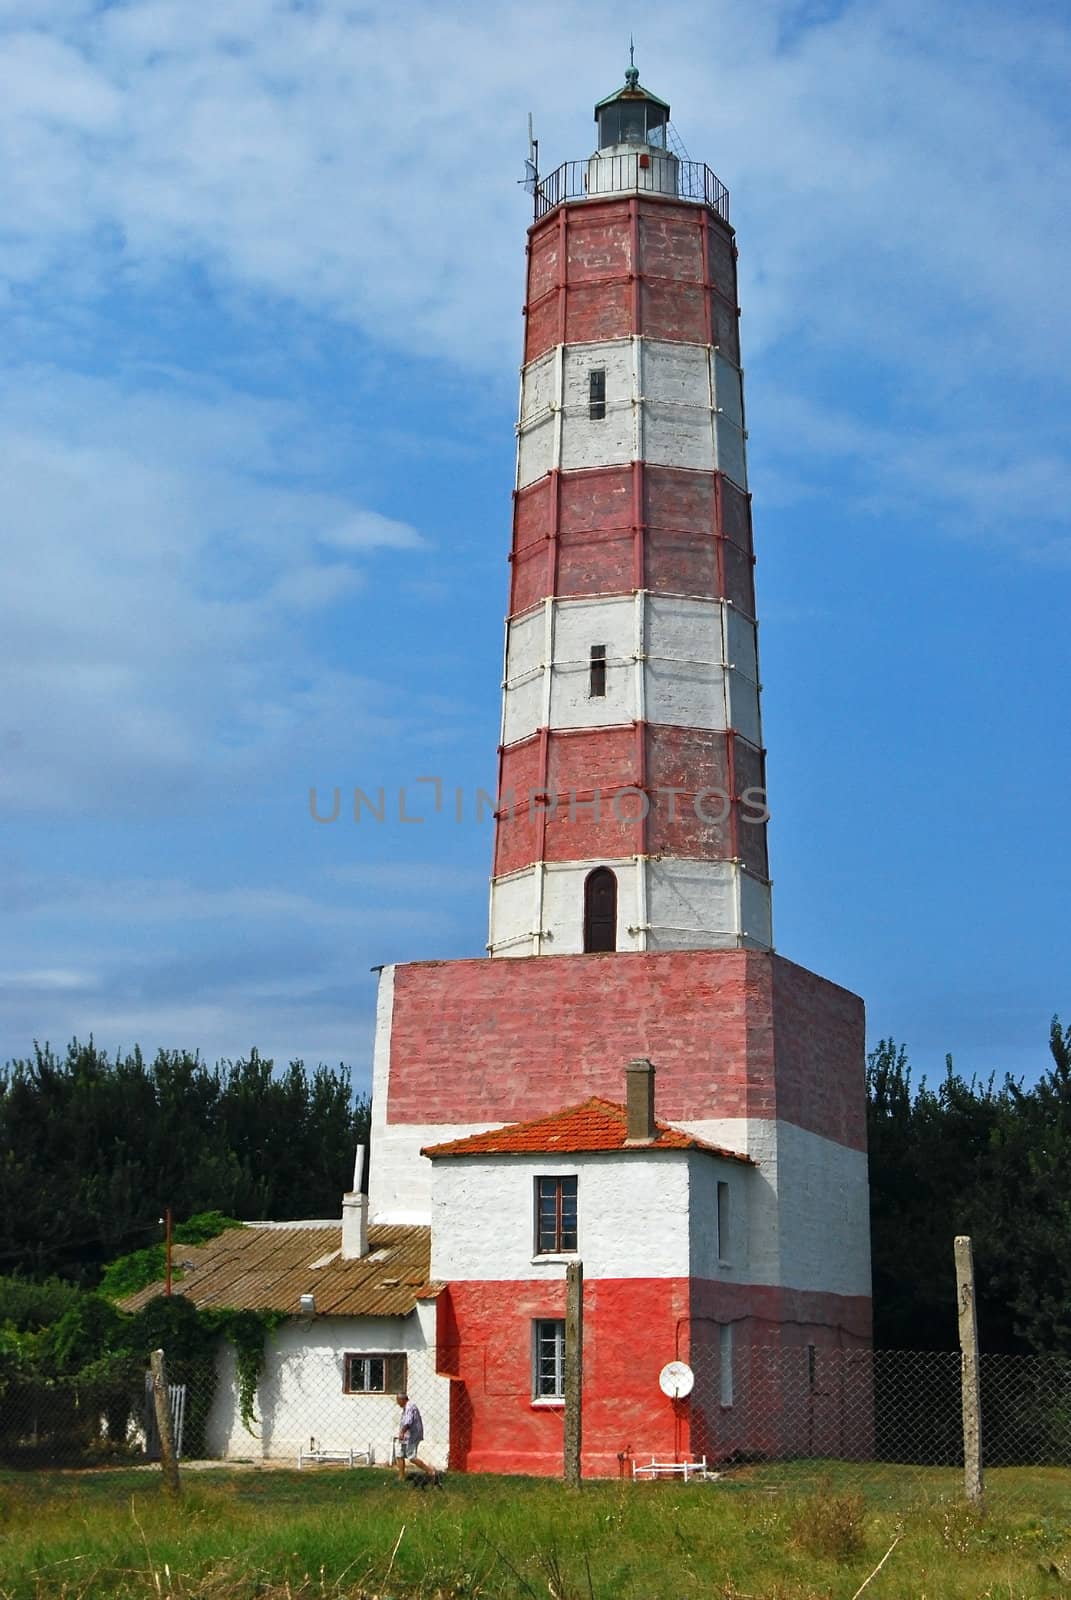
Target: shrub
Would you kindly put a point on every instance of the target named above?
(834, 1525)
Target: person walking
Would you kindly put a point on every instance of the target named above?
(410, 1437)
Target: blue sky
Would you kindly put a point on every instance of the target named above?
(261, 267)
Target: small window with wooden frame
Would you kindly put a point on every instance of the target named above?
(555, 1229)
(597, 672)
(373, 1374)
(600, 911)
(597, 394)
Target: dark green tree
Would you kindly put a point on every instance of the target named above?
(93, 1148)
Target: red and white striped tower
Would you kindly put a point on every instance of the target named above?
(632, 790)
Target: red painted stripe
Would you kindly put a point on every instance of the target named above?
(632, 1327)
(732, 1033)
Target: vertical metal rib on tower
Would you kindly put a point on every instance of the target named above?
(631, 734)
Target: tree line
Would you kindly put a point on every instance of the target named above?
(92, 1148)
(986, 1158)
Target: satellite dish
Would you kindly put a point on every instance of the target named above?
(676, 1379)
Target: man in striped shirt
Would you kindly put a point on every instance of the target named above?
(410, 1437)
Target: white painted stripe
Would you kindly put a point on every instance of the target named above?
(663, 904)
(681, 662)
(670, 403)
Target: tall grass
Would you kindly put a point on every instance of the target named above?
(352, 1535)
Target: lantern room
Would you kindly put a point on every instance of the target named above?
(632, 116)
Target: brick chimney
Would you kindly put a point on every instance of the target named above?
(639, 1102)
(355, 1214)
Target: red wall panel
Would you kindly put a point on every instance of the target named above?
(463, 1048)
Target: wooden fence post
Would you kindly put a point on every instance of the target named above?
(162, 1405)
(574, 1368)
(970, 1378)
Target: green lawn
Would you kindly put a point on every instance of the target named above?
(765, 1534)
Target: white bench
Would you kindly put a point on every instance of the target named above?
(348, 1458)
(670, 1469)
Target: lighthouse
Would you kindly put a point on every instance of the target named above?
(632, 797)
(632, 1077)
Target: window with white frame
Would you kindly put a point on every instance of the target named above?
(373, 1374)
(555, 1220)
(548, 1360)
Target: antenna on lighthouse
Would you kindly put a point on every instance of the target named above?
(531, 165)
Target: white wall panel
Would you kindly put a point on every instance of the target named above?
(730, 452)
(685, 695)
(685, 681)
(728, 389)
(670, 403)
(678, 436)
(402, 1178)
(578, 625)
(535, 452)
(744, 707)
(684, 684)
(824, 1213)
(704, 1174)
(563, 904)
(677, 373)
(692, 904)
(540, 388)
(741, 643)
(756, 914)
(632, 1216)
(525, 659)
(515, 910)
(602, 441)
(300, 1394)
(756, 1219)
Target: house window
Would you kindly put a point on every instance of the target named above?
(597, 393)
(548, 1361)
(600, 911)
(725, 1364)
(723, 1222)
(555, 1215)
(597, 672)
(384, 1374)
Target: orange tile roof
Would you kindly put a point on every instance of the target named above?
(597, 1125)
(269, 1266)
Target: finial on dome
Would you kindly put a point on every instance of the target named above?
(632, 75)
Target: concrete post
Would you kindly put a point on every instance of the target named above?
(574, 1368)
(162, 1405)
(970, 1373)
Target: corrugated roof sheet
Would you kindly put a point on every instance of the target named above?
(268, 1268)
(596, 1125)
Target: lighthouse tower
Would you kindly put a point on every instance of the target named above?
(635, 1078)
(632, 793)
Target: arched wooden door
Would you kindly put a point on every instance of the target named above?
(600, 910)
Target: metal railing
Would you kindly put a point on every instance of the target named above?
(625, 174)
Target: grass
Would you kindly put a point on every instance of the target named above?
(761, 1534)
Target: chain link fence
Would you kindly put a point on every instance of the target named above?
(751, 1404)
(762, 1403)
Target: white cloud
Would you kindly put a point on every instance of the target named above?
(897, 174)
(154, 570)
(367, 530)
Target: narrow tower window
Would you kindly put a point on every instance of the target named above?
(723, 1222)
(597, 672)
(600, 911)
(597, 393)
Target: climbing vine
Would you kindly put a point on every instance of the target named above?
(247, 1332)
